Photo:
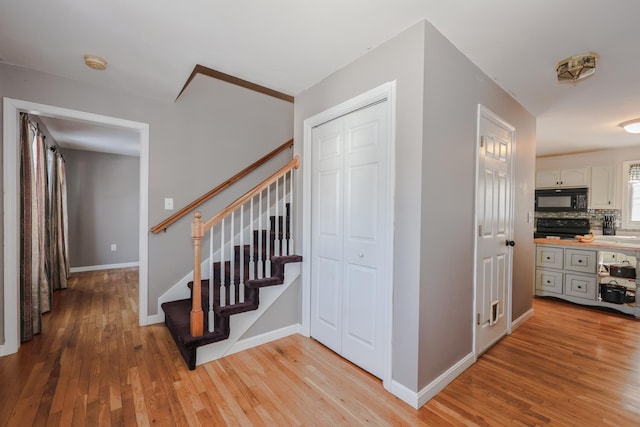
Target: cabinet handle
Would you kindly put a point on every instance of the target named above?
(548, 282)
(579, 260)
(579, 287)
(548, 258)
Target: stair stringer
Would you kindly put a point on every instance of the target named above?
(240, 323)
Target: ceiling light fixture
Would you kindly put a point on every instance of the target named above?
(576, 67)
(631, 126)
(95, 62)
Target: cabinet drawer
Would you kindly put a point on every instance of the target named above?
(549, 281)
(580, 286)
(549, 257)
(580, 260)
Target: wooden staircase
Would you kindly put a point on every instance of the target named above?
(237, 279)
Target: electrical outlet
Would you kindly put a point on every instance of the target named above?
(114, 247)
(168, 203)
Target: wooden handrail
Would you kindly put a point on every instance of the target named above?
(200, 200)
(293, 164)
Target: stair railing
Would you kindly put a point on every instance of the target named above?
(272, 197)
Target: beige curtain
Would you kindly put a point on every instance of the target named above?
(35, 293)
(44, 263)
(60, 268)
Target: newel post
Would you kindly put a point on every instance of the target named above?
(197, 319)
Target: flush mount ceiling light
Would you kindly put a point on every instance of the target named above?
(576, 67)
(95, 62)
(631, 126)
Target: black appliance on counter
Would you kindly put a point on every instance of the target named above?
(564, 228)
(609, 225)
(562, 200)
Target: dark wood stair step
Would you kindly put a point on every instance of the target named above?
(177, 315)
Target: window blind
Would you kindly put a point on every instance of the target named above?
(634, 172)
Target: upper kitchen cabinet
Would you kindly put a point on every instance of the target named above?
(562, 178)
(602, 191)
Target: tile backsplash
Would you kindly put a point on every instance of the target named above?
(595, 217)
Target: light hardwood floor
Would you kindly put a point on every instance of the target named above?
(92, 365)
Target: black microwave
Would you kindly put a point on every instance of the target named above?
(562, 200)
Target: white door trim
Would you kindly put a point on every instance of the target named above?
(11, 161)
(387, 92)
(485, 112)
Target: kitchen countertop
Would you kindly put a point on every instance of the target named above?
(596, 244)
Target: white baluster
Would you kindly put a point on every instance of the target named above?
(232, 270)
(252, 264)
(211, 314)
(284, 215)
(290, 245)
(223, 296)
(241, 258)
(267, 261)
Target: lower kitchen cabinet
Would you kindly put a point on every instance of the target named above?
(566, 272)
(549, 281)
(570, 272)
(581, 286)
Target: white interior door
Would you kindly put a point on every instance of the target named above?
(348, 235)
(495, 230)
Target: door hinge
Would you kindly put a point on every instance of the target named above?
(480, 230)
(478, 319)
(481, 141)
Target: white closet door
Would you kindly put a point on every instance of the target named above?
(327, 234)
(349, 184)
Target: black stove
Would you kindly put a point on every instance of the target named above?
(565, 228)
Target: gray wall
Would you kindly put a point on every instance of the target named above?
(211, 132)
(103, 204)
(454, 87)
(438, 90)
(400, 59)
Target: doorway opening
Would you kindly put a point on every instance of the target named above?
(11, 227)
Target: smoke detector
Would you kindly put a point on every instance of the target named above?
(576, 67)
(95, 62)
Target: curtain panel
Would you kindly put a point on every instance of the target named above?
(44, 264)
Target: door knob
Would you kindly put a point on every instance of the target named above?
(361, 254)
(511, 243)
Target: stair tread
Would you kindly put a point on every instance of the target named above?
(177, 317)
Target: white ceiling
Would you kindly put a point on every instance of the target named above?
(81, 135)
(289, 45)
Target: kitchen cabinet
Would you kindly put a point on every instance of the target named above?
(566, 272)
(563, 178)
(602, 188)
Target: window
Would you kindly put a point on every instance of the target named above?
(631, 194)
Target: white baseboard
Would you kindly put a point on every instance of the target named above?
(264, 338)
(521, 320)
(416, 400)
(155, 318)
(104, 267)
